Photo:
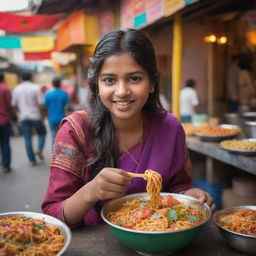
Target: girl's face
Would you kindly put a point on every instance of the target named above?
(124, 86)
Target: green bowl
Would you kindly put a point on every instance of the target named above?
(155, 242)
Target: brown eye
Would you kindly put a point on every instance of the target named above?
(135, 79)
(109, 80)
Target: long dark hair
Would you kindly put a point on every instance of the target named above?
(102, 130)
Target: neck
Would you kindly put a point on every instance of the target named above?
(127, 126)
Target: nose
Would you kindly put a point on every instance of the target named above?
(122, 89)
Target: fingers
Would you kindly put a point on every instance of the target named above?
(111, 183)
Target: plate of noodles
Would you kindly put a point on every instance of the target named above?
(244, 146)
(218, 133)
(32, 234)
(237, 225)
(155, 223)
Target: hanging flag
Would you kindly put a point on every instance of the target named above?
(15, 23)
(9, 42)
(37, 44)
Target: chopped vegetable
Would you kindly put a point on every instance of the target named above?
(172, 215)
(192, 218)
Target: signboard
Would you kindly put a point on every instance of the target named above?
(155, 10)
(140, 16)
(126, 14)
(172, 6)
(190, 1)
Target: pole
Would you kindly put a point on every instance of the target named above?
(176, 64)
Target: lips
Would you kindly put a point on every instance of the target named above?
(123, 103)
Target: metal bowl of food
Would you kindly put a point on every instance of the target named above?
(155, 242)
(33, 231)
(218, 133)
(235, 226)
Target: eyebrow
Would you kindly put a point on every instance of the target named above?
(130, 73)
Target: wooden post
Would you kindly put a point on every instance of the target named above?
(210, 78)
(176, 64)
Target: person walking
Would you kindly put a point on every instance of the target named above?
(188, 101)
(28, 99)
(5, 125)
(55, 103)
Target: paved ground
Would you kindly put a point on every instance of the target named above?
(23, 189)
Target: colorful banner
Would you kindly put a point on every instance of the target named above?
(37, 44)
(126, 14)
(37, 55)
(15, 23)
(155, 10)
(71, 31)
(172, 6)
(140, 16)
(10, 42)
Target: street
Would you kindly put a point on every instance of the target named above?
(24, 188)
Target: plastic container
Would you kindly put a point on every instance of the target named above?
(198, 119)
(214, 190)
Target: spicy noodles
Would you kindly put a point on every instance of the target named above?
(157, 214)
(242, 221)
(25, 236)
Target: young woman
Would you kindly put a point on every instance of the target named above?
(126, 130)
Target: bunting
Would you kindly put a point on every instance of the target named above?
(14, 23)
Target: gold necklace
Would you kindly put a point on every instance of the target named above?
(127, 151)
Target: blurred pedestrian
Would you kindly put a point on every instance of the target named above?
(5, 125)
(247, 89)
(188, 101)
(233, 84)
(83, 96)
(56, 102)
(28, 99)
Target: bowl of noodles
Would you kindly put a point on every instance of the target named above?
(32, 234)
(155, 229)
(237, 225)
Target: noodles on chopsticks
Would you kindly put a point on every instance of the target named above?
(25, 236)
(157, 214)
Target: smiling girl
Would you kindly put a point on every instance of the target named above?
(126, 130)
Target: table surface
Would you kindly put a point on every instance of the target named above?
(212, 149)
(98, 240)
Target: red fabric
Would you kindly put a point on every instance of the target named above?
(5, 104)
(37, 55)
(15, 23)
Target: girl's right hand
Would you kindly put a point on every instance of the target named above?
(108, 184)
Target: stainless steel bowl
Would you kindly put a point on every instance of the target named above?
(241, 242)
(64, 229)
(249, 115)
(250, 129)
(216, 138)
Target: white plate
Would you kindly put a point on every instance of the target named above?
(64, 229)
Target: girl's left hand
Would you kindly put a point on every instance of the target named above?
(202, 196)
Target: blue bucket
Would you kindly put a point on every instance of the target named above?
(214, 190)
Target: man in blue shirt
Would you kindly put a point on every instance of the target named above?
(56, 102)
